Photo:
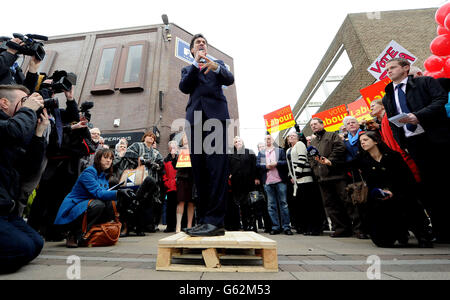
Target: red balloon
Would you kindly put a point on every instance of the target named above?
(441, 13)
(442, 30)
(433, 63)
(447, 22)
(447, 67)
(440, 74)
(440, 46)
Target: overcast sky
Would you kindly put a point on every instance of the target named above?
(276, 45)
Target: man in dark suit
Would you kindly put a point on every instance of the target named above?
(425, 135)
(207, 109)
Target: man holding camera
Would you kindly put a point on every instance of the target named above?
(21, 152)
(10, 72)
(329, 167)
(60, 168)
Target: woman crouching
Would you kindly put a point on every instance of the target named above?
(92, 184)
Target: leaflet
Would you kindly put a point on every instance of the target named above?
(395, 119)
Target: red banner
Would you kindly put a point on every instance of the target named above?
(279, 120)
(374, 91)
(332, 118)
(359, 110)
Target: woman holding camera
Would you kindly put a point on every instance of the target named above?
(393, 207)
(144, 153)
(92, 184)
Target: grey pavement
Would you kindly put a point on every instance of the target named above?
(299, 258)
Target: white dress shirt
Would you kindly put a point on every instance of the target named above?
(419, 129)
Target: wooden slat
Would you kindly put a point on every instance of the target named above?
(270, 259)
(164, 257)
(211, 258)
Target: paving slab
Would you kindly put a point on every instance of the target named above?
(135, 274)
(420, 275)
(336, 276)
(248, 276)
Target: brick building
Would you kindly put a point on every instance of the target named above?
(342, 71)
(132, 76)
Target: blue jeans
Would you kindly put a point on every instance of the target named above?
(276, 196)
(19, 243)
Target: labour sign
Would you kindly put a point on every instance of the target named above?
(332, 118)
(375, 91)
(279, 120)
(359, 110)
(184, 159)
(393, 50)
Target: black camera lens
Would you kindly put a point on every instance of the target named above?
(51, 103)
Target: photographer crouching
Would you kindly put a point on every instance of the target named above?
(21, 152)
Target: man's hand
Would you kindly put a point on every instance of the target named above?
(35, 101)
(257, 182)
(210, 65)
(18, 42)
(410, 119)
(69, 94)
(42, 123)
(389, 195)
(323, 160)
(34, 64)
(79, 125)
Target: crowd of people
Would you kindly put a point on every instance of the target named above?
(301, 186)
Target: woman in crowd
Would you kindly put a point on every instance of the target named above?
(144, 153)
(170, 185)
(184, 186)
(308, 209)
(92, 184)
(393, 206)
(242, 165)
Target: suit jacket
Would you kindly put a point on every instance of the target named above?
(205, 91)
(281, 165)
(426, 99)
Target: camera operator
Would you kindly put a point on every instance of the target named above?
(60, 170)
(10, 73)
(21, 152)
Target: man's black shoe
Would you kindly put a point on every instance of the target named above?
(169, 230)
(424, 243)
(192, 228)
(207, 230)
(288, 232)
(273, 232)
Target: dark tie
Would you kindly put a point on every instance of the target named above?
(404, 106)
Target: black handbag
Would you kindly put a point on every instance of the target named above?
(256, 201)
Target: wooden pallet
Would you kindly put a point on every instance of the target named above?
(242, 247)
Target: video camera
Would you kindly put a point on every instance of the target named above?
(84, 109)
(31, 46)
(313, 151)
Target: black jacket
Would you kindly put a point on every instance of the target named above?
(6, 75)
(426, 99)
(242, 168)
(21, 153)
(331, 146)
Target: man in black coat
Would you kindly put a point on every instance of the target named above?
(11, 73)
(425, 135)
(21, 152)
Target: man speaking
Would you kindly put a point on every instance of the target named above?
(206, 113)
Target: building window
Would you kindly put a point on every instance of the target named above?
(132, 67)
(105, 76)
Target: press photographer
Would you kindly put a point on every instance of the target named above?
(21, 153)
(10, 71)
(61, 169)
